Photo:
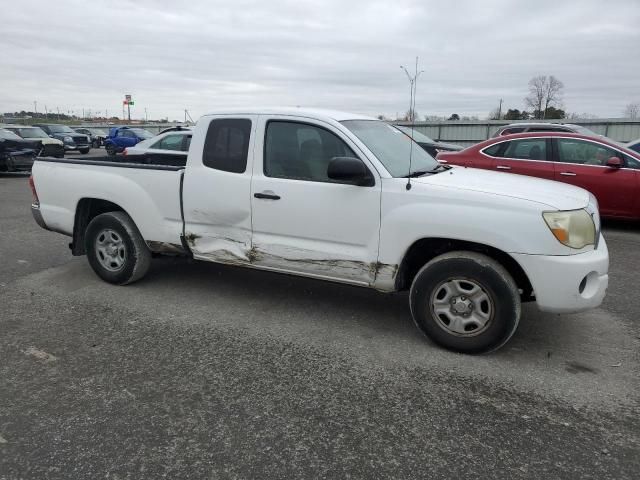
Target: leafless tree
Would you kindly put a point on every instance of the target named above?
(544, 92)
(411, 116)
(632, 110)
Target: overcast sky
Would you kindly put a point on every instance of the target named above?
(203, 55)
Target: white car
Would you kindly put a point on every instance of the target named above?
(169, 148)
(346, 198)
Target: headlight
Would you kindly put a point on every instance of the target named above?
(68, 139)
(574, 228)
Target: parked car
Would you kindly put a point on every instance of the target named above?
(16, 153)
(634, 145)
(124, 137)
(608, 170)
(168, 148)
(324, 195)
(429, 145)
(50, 147)
(72, 140)
(96, 136)
(525, 127)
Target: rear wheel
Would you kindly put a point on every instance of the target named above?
(115, 249)
(84, 151)
(111, 151)
(465, 301)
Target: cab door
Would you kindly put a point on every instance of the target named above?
(583, 163)
(304, 222)
(216, 189)
(524, 156)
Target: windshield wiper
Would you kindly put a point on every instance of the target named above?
(419, 173)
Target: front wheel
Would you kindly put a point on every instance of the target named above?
(84, 151)
(111, 151)
(115, 249)
(466, 302)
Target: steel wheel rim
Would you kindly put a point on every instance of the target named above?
(110, 249)
(462, 307)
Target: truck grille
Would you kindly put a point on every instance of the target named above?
(81, 139)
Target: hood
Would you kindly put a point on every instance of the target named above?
(552, 194)
(49, 141)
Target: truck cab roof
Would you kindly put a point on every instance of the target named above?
(319, 113)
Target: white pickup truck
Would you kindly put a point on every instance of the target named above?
(335, 196)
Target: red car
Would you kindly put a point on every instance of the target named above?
(608, 170)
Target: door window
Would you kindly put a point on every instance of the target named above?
(226, 145)
(527, 149)
(170, 142)
(571, 150)
(301, 151)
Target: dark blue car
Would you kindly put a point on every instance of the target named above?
(122, 137)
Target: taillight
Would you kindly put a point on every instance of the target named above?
(124, 152)
(36, 200)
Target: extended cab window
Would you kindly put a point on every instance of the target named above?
(301, 151)
(170, 142)
(226, 145)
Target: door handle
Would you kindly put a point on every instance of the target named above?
(503, 167)
(568, 174)
(267, 196)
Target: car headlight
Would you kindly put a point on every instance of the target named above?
(68, 139)
(573, 228)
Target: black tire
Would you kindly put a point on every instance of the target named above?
(497, 302)
(111, 151)
(136, 259)
(84, 151)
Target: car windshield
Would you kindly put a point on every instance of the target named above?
(142, 133)
(417, 136)
(8, 135)
(32, 132)
(60, 129)
(392, 147)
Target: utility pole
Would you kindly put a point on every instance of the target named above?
(35, 107)
(500, 110)
(146, 117)
(58, 108)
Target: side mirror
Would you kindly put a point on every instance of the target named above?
(614, 162)
(350, 170)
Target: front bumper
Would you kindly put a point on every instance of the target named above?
(76, 146)
(569, 283)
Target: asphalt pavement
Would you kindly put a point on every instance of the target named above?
(209, 371)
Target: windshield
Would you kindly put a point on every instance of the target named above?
(586, 131)
(417, 136)
(8, 135)
(142, 133)
(391, 147)
(32, 132)
(60, 129)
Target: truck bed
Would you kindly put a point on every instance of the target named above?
(149, 193)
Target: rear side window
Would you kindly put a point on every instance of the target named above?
(527, 149)
(226, 145)
(170, 142)
(496, 149)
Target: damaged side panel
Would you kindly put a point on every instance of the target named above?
(291, 260)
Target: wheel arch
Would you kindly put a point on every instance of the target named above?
(426, 249)
(86, 210)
